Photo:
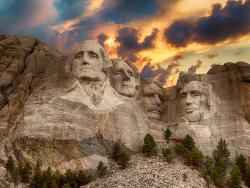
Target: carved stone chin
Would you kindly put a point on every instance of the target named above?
(194, 102)
(123, 77)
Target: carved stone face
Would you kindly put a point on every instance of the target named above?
(193, 101)
(151, 101)
(88, 62)
(123, 78)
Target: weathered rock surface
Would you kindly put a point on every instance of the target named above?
(225, 90)
(52, 108)
(150, 172)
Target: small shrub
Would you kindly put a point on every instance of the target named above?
(184, 176)
(194, 157)
(180, 149)
(101, 168)
(121, 156)
(149, 147)
(167, 135)
(10, 165)
(168, 154)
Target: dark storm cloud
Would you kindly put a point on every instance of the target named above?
(193, 68)
(230, 21)
(158, 72)
(101, 38)
(69, 9)
(129, 45)
(14, 13)
(122, 11)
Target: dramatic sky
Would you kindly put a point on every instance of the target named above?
(162, 37)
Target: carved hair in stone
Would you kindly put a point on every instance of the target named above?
(89, 62)
(124, 77)
(195, 100)
(151, 98)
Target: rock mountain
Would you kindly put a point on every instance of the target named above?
(69, 111)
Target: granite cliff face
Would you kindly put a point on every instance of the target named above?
(69, 111)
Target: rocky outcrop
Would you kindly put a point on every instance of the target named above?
(150, 172)
(68, 113)
(219, 107)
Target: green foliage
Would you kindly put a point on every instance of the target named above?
(247, 178)
(167, 135)
(36, 180)
(241, 162)
(234, 179)
(180, 149)
(149, 147)
(16, 175)
(194, 157)
(82, 178)
(219, 176)
(25, 172)
(221, 155)
(10, 165)
(101, 168)
(66, 185)
(121, 156)
(168, 154)
(188, 143)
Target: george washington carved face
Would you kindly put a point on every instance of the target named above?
(89, 61)
(124, 77)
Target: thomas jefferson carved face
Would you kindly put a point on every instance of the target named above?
(123, 78)
(89, 62)
(151, 100)
(193, 101)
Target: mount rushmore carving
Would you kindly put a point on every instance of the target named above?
(70, 111)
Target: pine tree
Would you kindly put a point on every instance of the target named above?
(36, 180)
(26, 173)
(168, 154)
(180, 149)
(121, 156)
(194, 157)
(81, 178)
(149, 148)
(10, 165)
(221, 154)
(188, 142)
(101, 168)
(241, 162)
(234, 179)
(167, 135)
(15, 175)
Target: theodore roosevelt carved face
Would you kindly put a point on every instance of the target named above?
(124, 77)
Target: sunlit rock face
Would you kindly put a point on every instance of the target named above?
(74, 122)
(213, 109)
(151, 98)
(69, 111)
(124, 77)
